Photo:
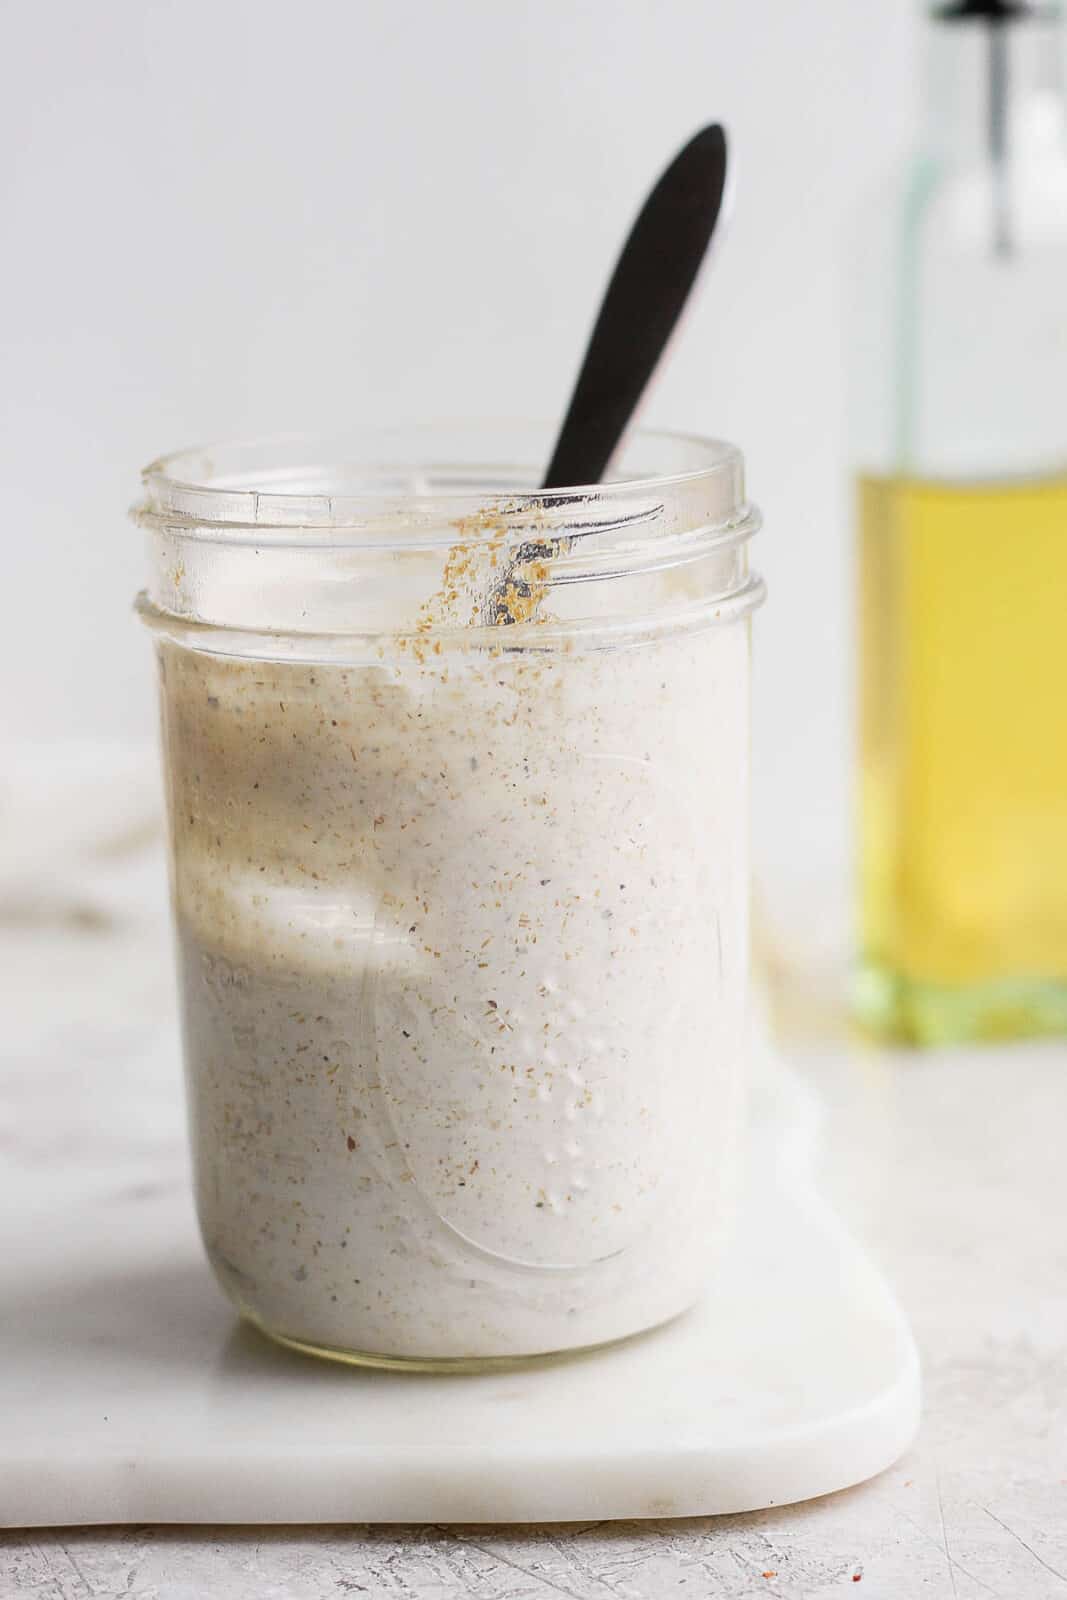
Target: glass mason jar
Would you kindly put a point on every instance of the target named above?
(457, 788)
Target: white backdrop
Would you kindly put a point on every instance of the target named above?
(235, 216)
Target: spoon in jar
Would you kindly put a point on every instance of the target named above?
(644, 299)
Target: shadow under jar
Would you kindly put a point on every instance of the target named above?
(460, 902)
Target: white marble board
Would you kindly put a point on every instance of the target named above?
(130, 1394)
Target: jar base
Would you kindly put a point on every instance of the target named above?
(443, 1365)
(901, 1010)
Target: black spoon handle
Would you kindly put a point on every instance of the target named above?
(648, 289)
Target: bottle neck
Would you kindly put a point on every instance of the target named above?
(993, 87)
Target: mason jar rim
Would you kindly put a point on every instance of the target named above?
(365, 479)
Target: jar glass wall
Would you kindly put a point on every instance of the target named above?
(457, 785)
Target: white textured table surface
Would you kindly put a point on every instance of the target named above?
(951, 1167)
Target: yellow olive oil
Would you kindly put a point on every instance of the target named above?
(963, 758)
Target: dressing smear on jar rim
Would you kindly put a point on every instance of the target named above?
(462, 931)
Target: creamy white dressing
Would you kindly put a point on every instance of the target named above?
(463, 948)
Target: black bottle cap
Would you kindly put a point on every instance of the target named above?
(985, 10)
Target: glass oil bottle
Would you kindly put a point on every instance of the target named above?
(959, 416)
